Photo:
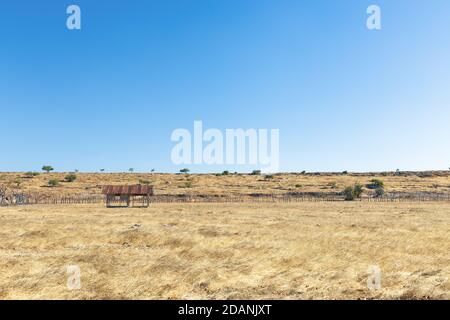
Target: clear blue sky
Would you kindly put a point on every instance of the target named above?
(110, 95)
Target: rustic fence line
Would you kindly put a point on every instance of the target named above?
(22, 199)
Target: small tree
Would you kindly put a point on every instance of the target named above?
(185, 170)
(256, 173)
(131, 170)
(53, 183)
(225, 173)
(70, 178)
(47, 168)
(102, 170)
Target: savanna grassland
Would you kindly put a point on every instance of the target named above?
(308, 250)
(232, 184)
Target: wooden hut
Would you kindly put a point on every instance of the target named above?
(127, 195)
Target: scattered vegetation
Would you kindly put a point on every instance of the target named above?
(53, 183)
(31, 174)
(375, 184)
(70, 178)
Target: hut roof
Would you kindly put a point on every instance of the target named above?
(133, 190)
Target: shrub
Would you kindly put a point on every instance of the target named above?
(348, 193)
(47, 168)
(345, 172)
(30, 174)
(357, 190)
(375, 184)
(188, 184)
(145, 182)
(256, 173)
(185, 170)
(351, 193)
(70, 178)
(303, 172)
(53, 183)
(299, 186)
(268, 176)
(379, 192)
(225, 173)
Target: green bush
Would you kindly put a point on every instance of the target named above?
(375, 184)
(256, 173)
(225, 173)
(351, 193)
(30, 174)
(70, 178)
(53, 183)
(357, 190)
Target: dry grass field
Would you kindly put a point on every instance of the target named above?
(230, 251)
(241, 184)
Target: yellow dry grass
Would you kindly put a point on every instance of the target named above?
(90, 183)
(230, 251)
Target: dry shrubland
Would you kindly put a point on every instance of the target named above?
(230, 251)
(232, 184)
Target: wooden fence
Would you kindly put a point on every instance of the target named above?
(23, 199)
